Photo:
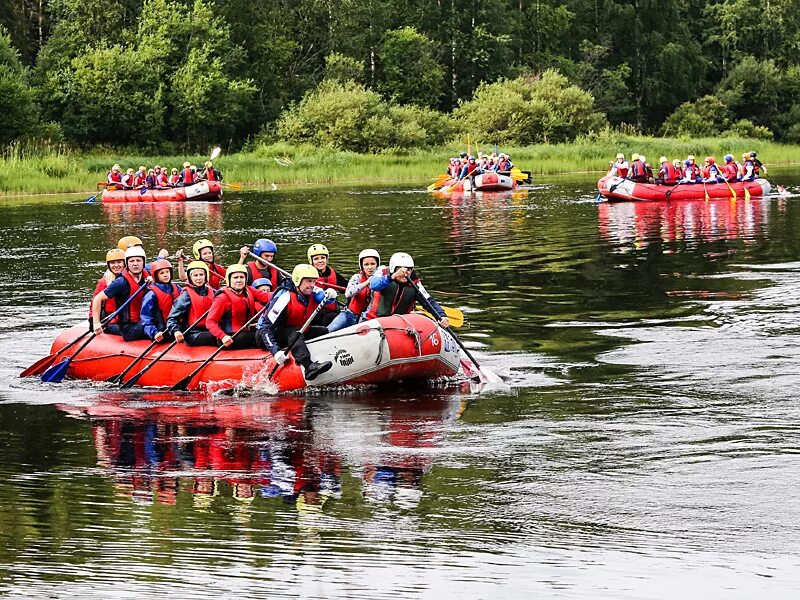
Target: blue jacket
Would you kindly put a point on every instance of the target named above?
(151, 318)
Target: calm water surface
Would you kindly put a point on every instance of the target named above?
(646, 446)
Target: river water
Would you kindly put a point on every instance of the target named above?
(645, 446)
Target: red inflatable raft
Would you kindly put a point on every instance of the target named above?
(624, 190)
(204, 190)
(485, 182)
(386, 349)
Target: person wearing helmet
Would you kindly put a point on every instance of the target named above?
(210, 173)
(129, 241)
(114, 178)
(139, 177)
(203, 250)
(266, 249)
(758, 166)
(358, 293)
(667, 174)
(748, 168)
(174, 177)
(150, 180)
(187, 175)
(293, 303)
(730, 171)
(318, 258)
(120, 290)
(638, 170)
(157, 302)
(193, 302)
(162, 179)
(619, 168)
(393, 293)
(115, 263)
(471, 169)
(710, 171)
(234, 306)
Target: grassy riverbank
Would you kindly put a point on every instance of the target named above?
(54, 169)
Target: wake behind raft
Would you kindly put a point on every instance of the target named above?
(400, 347)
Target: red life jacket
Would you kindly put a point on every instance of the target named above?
(671, 174)
(360, 301)
(216, 275)
(622, 172)
(331, 279)
(268, 273)
(730, 170)
(132, 313)
(138, 181)
(109, 306)
(211, 175)
(115, 177)
(188, 176)
(165, 300)
(174, 179)
(638, 169)
(243, 307)
(200, 305)
(695, 171)
(162, 180)
(298, 313)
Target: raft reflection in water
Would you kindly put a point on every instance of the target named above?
(287, 448)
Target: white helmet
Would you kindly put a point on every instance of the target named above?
(368, 252)
(400, 259)
(135, 251)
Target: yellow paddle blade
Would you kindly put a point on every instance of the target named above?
(517, 175)
(440, 181)
(455, 316)
(746, 193)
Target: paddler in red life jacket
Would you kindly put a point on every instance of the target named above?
(157, 302)
(139, 178)
(730, 170)
(318, 256)
(194, 301)
(127, 180)
(266, 249)
(264, 285)
(758, 166)
(471, 169)
(232, 308)
(638, 171)
(210, 173)
(358, 292)
(667, 174)
(291, 306)
(174, 178)
(162, 180)
(619, 168)
(393, 294)
(748, 168)
(710, 171)
(697, 174)
(187, 175)
(204, 250)
(114, 177)
(122, 288)
(115, 261)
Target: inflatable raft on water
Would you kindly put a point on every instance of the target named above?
(392, 348)
(485, 182)
(204, 190)
(624, 190)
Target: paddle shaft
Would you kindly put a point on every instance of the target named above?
(430, 309)
(184, 383)
(269, 264)
(303, 329)
(132, 381)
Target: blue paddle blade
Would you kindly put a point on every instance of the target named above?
(91, 198)
(143, 192)
(56, 373)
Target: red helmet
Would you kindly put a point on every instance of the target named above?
(710, 160)
(160, 265)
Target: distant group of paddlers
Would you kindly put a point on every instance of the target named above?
(688, 171)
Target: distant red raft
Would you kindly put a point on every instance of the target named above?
(204, 190)
(386, 349)
(485, 182)
(624, 190)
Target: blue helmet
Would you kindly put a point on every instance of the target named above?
(687, 162)
(264, 245)
(262, 281)
(728, 158)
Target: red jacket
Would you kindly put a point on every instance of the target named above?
(230, 311)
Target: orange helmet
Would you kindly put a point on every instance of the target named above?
(710, 160)
(115, 254)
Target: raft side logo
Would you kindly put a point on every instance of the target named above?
(344, 358)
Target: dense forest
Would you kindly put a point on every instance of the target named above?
(368, 75)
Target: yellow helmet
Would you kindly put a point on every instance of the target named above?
(208, 164)
(115, 254)
(301, 272)
(316, 250)
(237, 268)
(199, 245)
(662, 159)
(690, 157)
(128, 241)
(620, 155)
(187, 164)
(634, 156)
(196, 264)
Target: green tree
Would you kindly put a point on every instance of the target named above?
(341, 68)
(17, 104)
(409, 71)
(707, 116)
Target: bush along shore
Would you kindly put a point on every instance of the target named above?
(56, 169)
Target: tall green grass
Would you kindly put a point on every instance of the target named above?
(53, 168)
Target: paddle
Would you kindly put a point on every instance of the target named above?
(132, 381)
(669, 192)
(430, 309)
(117, 378)
(440, 181)
(233, 186)
(705, 191)
(730, 187)
(296, 337)
(56, 373)
(184, 383)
